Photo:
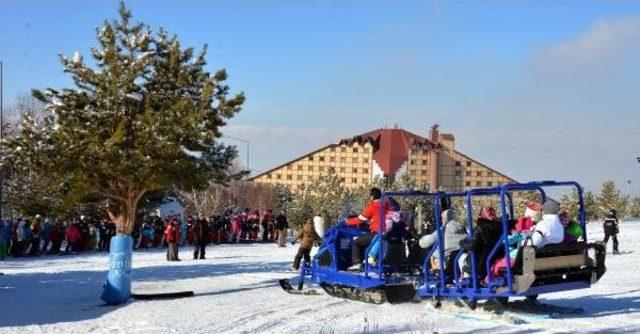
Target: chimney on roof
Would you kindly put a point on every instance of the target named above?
(433, 133)
(434, 157)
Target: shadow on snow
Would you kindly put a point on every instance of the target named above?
(74, 295)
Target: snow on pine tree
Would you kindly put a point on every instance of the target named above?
(146, 117)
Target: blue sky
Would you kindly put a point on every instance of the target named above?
(537, 90)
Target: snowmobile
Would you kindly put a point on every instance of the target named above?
(393, 278)
(553, 268)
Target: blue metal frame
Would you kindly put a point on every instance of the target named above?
(372, 276)
(430, 284)
(436, 287)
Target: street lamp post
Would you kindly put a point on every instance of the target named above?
(244, 141)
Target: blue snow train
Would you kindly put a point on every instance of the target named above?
(399, 276)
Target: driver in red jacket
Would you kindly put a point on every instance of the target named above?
(371, 213)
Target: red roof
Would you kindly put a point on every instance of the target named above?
(390, 147)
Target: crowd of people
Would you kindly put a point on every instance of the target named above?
(42, 236)
(542, 224)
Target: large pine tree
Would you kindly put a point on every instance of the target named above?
(144, 116)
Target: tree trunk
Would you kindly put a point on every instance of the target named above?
(126, 217)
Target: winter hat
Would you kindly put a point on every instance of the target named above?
(550, 207)
(488, 212)
(533, 211)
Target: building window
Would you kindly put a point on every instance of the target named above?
(342, 169)
(342, 179)
(299, 177)
(332, 159)
(310, 167)
(411, 162)
(289, 167)
(458, 173)
(343, 159)
(468, 163)
(468, 184)
(343, 149)
(321, 168)
(311, 158)
(366, 150)
(458, 163)
(355, 150)
(289, 177)
(490, 184)
(424, 162)
(366, 170)
(365, 160)
(321, 158)
(364, 180)
(478, 173)
(332, 149)
(490, 173)
(423, 172)
(268, 176)
(478, 183)
(355, 170)
(278, 176)
(354, 180)
(467, 173)
(299, 167)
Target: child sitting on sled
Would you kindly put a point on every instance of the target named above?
(393, 222)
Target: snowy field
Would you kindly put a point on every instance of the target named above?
(237, 291)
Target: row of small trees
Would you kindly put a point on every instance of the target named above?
(329, 197)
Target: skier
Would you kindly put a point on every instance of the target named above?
(307, 236)
(200, 237)
(611, 229)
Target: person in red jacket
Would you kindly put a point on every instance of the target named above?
(74, 238)
(371, 213)
(172, 233)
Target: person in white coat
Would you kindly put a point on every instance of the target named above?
(550, 229)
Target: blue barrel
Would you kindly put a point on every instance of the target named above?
(117, 288)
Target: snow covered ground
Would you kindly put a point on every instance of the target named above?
(237, 291)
